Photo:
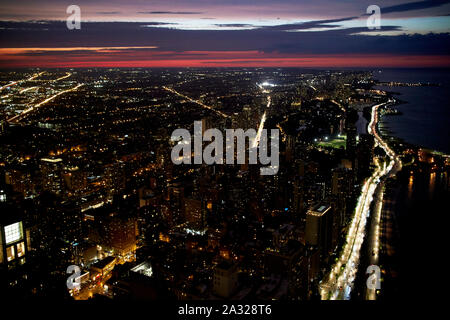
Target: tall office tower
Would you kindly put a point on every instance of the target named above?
(75, 179)
(174, 214)
(3, 126)
(225, 279)
(290, 148)
(342, 193)
(20, 181)
(195, 214)
(51, 172)
(114, 177)
(120, 235)
(351, 141)
(319, 221)
(288, 260)
(246, 118)
(298, 192)
(365, 155)
(15, 242)
(12, 242)
(68, 221)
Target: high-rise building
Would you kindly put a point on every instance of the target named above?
(195, 214)
(225, 279)
(288, 260)
(51, 173)
(298, 198)
(120, 235)
(174, 214)
(365, 155)
(15, 242)
(114, 177)
(19, 180)
(342, 193)
(350, 146)
(3, 126)
(319, 228)
(75, 179)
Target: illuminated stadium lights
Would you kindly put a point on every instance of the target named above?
(267, 84)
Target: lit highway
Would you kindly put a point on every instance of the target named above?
(373, 241)
(261, 124)
(339, 105)
(337, 285)
(30, 109)
(16, 82)
(27, 89)
(196, 102)
(396, 165)
(68, 74)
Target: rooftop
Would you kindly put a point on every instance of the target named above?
(319, 209)
(103, 263)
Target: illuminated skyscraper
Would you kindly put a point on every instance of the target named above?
(319, 227)
(365, 155)
(75, 179)
(15, 239)
(225, 279)
(51, 174)
(195, 214)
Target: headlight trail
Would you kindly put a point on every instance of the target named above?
(339, 282)
(196, 102)
(30, 109)
(261, 124)
(16, 82)
(68, 74)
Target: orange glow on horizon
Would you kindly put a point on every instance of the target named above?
(145, 57)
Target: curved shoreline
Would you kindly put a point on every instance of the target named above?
(392, 133)
(338, 283)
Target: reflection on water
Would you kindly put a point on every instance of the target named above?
(432, 184)
(410, 185)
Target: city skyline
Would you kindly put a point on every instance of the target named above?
(225, 151)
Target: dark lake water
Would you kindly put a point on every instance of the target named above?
(426, 113)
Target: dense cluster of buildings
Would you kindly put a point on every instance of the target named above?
(87, 180)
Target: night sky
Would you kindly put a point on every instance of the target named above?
(211, 33)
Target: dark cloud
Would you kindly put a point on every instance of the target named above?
(158, 23)
(419, 5)
(310, 24)
(117, 34)
(234, 25)
(169, 12)
(81, 52)
(109, 12)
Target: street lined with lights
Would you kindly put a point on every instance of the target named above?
(25, 112)
(16, 82)
(338, 283)
(195, 101)
(263, 118)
